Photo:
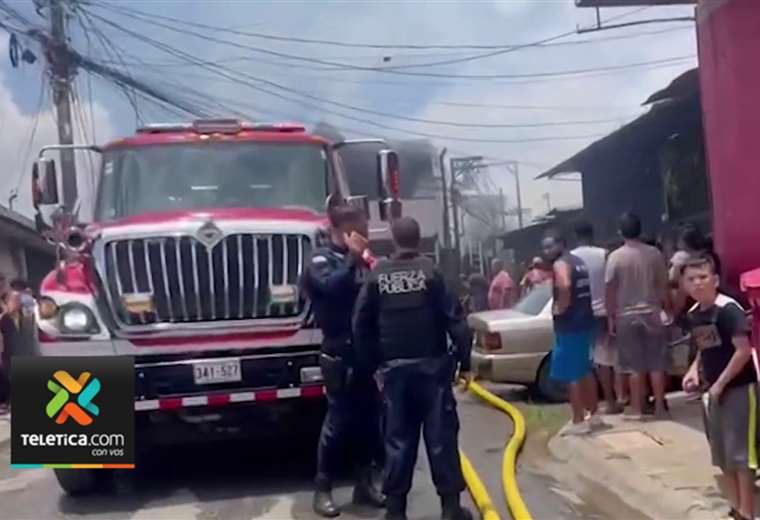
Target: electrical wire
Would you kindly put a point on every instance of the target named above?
(219, 70)
(243, 58)
(289, 72)
(82, 120)
(108, 44)
(339, 65)
(30, 141)
(392, 70)
(403, 130)
(291, 39)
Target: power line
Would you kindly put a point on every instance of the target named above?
(391, 70)
(292, 69)
(364, 110)
(353, 45)
(221, 71)
(108, 44)
(395, 69)
(32, 134)
(79, 112)
(257, 60)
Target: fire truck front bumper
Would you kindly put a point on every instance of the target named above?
(218, 394)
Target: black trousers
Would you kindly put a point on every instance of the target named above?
(5, 380)
(350, 431)
(419, 400)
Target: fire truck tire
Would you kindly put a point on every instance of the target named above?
(76, 482)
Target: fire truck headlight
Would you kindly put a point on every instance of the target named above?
(75, 318)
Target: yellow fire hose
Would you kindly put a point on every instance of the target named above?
(515, 502)
(477, 490)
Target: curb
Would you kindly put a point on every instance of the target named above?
(5, 432)
(638, 491)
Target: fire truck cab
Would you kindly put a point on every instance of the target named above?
(191, 266)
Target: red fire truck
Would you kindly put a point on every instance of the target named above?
(191, 265)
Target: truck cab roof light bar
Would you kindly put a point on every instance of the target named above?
(220, 126)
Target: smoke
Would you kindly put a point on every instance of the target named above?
(417, 161)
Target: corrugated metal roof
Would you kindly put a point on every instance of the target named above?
(22, 228)
(17, 218)
(683, 87)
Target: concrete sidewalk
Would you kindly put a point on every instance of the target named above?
(5, 429)
(661, 468)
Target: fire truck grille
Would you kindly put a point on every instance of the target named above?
(178, 279)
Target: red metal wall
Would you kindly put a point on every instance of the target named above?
(729, 64)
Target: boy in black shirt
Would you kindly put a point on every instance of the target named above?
(725, 371)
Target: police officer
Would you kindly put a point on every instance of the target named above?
(332, 280)
(401, 322)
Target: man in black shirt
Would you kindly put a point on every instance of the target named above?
(724, 369)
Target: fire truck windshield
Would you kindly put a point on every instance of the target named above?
(210, 175)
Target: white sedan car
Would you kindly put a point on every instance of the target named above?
(514, 345)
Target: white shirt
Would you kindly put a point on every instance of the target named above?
(595, 259)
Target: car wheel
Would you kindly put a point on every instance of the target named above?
(76, 482)
(547, 388)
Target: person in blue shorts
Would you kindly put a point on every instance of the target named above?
(574, 328)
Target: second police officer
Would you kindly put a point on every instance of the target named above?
(401, 322)
(332, 281)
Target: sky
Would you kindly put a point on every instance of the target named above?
(538, 120)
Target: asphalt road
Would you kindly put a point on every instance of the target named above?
(256, 481)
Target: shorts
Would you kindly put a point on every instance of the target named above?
(571, 356)
(641, 343)
(605, 351)
(731, 428)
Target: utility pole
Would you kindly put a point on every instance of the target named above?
(460, 167)
(455, 216)
(503, 209)
(513, 168)
(445, 193)
(62, 72)
(547, 198)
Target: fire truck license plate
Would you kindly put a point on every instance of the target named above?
(221, 371)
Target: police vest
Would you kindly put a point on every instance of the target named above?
(410, 325)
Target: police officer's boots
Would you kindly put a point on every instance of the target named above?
(395, 508)
(452, 509)
(323, 503)
(365, 491)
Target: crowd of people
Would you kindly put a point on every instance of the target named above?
(389, 370)
(616, 312)
(16, 308)
(612, 313)
(395, 336)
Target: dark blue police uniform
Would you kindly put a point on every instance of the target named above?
(402, 321)
(332, 281)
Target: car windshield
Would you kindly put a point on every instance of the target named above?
(535, 301)
(212, 175)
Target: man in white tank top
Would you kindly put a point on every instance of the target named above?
(605, 354)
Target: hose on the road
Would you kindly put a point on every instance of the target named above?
(515, 502)
(477, 490)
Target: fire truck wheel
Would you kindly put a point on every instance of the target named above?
(76, 482)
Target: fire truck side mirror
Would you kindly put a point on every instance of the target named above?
(388, 185)
(360, 202)
(44, 183)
